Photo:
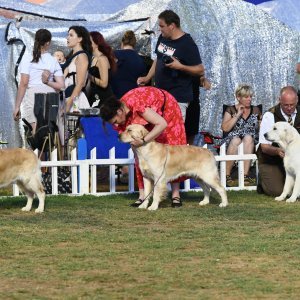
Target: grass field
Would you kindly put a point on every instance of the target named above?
(100, 248)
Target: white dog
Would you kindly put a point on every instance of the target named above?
(21, 166)
(161, 164)
(288, 138)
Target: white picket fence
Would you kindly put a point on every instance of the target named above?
(84, 172)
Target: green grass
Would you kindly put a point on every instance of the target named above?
(101, 248)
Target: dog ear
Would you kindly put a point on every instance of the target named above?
(134, 132)
(289, 134)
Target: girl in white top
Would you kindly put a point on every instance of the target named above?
(32, 81)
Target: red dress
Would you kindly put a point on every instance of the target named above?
(163, 103)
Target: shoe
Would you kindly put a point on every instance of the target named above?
(176, 202)
(231, 182)
(137, 203)
(249, 181)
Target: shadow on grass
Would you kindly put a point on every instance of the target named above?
(14, 202)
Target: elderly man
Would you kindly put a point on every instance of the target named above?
(270, 156)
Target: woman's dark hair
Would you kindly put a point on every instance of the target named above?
(42, 36)
(86, 44)
(105, 48)
(110, 108)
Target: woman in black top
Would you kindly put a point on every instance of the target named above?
(130, 64)
(102, 65)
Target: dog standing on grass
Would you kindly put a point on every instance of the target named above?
(162, 163)
(288, 139)
(22, 166)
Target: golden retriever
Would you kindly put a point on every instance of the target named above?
(288, 138)
(162, 163)
(22, 166)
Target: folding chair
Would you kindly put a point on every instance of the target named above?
(103, 139)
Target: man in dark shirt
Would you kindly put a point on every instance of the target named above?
(178, 61)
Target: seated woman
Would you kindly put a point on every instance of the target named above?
(240, 125)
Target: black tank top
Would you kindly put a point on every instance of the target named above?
(97, 92)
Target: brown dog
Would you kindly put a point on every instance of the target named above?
(161, 164)
(21, 166)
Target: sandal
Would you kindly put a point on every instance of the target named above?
(231, 182)
(249, 181)
(176, 202)
(137, 203)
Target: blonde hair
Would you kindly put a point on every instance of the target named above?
(129, 38)
(243, 90)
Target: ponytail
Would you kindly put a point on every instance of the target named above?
(42, 36)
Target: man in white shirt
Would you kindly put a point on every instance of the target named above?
(270, 156)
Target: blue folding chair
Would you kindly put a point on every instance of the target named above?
(102, 138)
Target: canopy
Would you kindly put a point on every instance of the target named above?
(238, 42)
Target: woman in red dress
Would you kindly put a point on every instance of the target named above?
(159, 112)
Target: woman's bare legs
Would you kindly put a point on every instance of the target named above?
(232, 150)
(176, 201)
(248, 149)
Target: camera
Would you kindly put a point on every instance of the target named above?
(167, 59)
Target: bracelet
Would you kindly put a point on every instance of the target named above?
(144, 142)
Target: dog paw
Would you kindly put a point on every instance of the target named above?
(153, 207)
(204, 202)
(144, 205)
(223, 204)
(25, 208)
(279, 198)
(39, 210)
(291, 200)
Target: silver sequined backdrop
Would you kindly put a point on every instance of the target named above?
(238, 43)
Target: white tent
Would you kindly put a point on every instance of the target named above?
(238, 42)
(287, 11)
